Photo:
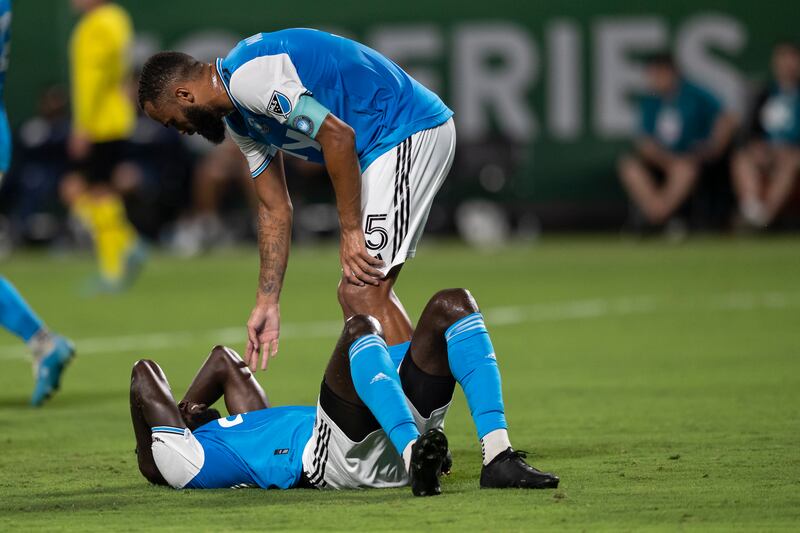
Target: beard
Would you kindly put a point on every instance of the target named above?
(206, 123)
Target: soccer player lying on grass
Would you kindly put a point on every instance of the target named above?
(378, 422)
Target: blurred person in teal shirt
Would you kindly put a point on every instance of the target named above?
(767, 165)
(683, 130)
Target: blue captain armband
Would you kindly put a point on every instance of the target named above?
(307, 116)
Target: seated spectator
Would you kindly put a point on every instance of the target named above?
(219, 169)
(684, 129)
(29, 193)
(766, 167)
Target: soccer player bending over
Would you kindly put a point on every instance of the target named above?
(378, 421)
(386, 141)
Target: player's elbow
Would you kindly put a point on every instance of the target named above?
(336, 135)
(278, 208)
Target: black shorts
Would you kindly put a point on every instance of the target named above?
(103, 158)
(426, 393)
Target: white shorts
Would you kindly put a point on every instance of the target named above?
(178, 455)
(398, 189)
(332, 461)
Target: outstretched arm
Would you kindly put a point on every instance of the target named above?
(274, 239)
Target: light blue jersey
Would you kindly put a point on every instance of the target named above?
(5, 49)
(283, 84)
(682, 122)
(261, 449)
(780, 116)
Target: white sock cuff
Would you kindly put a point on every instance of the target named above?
(41, 343)
(493, 444)
(407, 454)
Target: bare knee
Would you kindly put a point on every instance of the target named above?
(225, 356)
(143, 369)
(363, 300)
(360, 325)
(451, 305)
(627, 166)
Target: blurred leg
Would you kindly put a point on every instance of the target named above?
(641, 187)
(15, 314)
(787, 167)
(681, 179)
(747, 177)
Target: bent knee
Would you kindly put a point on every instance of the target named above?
(363, 299)
(225, 355)
(626, 164)
(453, 304)
(360, 325)
(143, 367)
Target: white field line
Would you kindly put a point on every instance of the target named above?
(495, 317)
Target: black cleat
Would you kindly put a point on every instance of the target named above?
(427, 455)
(509, 470)
(447, 464)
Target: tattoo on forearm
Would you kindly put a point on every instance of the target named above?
(274, 237)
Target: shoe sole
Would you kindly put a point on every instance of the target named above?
(551, 483)
(427, 456)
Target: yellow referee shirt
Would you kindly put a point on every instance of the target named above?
(99, 65)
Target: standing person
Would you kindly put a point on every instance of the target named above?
(684, 129)
(103, 120)
(50, 352)
(766, 167)
(386, 141)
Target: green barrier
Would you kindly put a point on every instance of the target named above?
(543, 91)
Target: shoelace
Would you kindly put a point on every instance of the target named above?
(520, 454)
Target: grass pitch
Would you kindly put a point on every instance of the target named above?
(661, 383)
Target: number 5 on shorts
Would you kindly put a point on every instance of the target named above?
(374, 232)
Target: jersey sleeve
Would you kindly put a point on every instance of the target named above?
(258, 155)
(268, 85)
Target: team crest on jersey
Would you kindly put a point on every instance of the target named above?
(303, 124)
(279, 104)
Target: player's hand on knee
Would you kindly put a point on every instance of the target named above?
(263, 332)
(358, 267)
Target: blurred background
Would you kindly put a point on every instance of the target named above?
(551, 101)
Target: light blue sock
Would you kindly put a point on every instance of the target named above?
(15, 313)
(378, 385)
(474, 365)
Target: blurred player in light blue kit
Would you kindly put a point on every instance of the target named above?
(51, 352)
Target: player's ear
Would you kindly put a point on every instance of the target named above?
(184, 95)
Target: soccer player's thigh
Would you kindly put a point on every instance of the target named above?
(398, 190)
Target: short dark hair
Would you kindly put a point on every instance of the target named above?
(163, 69)
(660, 59)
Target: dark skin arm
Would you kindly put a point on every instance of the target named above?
(338, 143)
(151, 405)
(223, 374)
(274, 239)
